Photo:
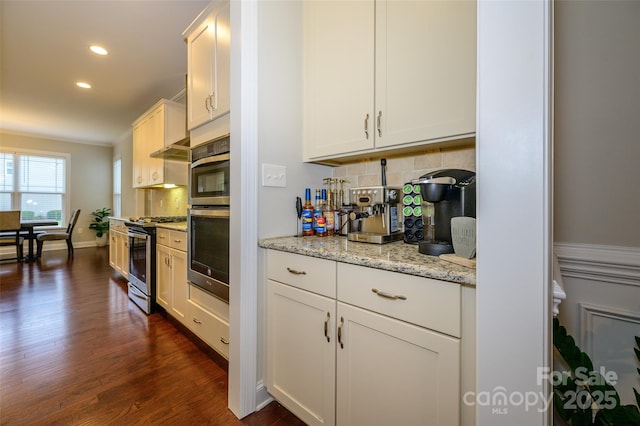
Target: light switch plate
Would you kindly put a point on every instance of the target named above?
(274, 175)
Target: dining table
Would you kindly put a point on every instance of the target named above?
(28, 226)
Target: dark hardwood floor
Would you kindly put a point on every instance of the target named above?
(74, 350)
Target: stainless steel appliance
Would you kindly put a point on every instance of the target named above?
(208, 250)
(142, 266)
(208, 217)
(375, 216)
(142, 259)
(453, 194)
(209, 174)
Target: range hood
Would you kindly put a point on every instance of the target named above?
(178, 151)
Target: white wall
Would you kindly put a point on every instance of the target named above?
(597, 203)
(597, 105)
(280, 129)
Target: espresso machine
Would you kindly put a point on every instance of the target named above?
(453, 194)
(374, 218)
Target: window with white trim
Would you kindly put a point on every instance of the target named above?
(117, 187)
(35, 183)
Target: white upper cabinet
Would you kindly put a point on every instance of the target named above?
(162, 125)
(208, 64)
(387, 74)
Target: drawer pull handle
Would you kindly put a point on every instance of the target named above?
(295, 272)
(177, 241)
(340, 333)
(197, 321)
(388, 295)
(326, 327)
(223, 340)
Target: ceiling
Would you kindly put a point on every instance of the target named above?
(45, 50)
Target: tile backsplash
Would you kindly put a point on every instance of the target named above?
(166, 201)
(402, 169)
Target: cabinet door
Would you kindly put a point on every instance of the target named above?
(425, 70)
(163, 278)
(113, 254)
(123, 247)
(391, 372)
(139, 154)
(155, 141)
(300, 344)
(200, 73)
(338, 77)
(222, 71)
(178, 307)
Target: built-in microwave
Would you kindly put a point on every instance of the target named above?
(208, 251)
(209, 174)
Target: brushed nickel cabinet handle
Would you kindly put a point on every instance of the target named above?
(340, 333)
(366, 126)
(197, 321)
(212, 101)
(379, 123)
(326, 327)
(206, 103)
(388, 295)
(224, 341)
(296, 272)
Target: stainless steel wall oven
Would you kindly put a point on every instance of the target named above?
(208, 217)
(208, 250)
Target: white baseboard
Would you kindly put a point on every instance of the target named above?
(262, 396)
(619, 265)
(10, 251)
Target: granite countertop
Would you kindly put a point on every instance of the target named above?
(397, 256)
(176, 226)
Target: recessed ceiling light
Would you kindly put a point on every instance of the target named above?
(83, 85)
(98, 49)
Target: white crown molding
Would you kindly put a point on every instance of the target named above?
(619, 265)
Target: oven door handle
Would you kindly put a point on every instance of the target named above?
(213, 159)
(218, 212)
(139, 235)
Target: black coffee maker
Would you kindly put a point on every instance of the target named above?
(453, 194)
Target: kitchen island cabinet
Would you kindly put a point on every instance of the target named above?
(119, 247)
(171, 282)
(348, 344)
(388, 74)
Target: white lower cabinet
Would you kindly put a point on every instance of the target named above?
(119, 247)
(171, 265)
(352, 345)
(208, 318)
(390, 372)
(300, 353)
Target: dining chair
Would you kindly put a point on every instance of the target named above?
(10, 232)
(56, 236)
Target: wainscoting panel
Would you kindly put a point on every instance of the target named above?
(607, 335)
(602, 308)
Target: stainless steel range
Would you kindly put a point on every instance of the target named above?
(142, 259)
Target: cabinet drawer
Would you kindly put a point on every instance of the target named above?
(209, 327)
(173, 239)
(307, 273)
(422, 301)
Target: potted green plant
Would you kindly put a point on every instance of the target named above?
(100, 224)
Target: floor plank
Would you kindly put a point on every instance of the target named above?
(74, 350)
